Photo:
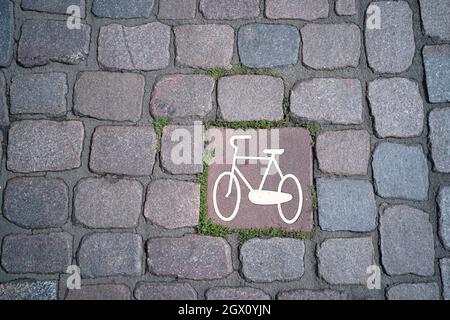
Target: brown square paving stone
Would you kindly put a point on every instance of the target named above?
(296, 160)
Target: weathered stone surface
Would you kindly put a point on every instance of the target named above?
(267, 45)
(4, 113)
(102, 203)
(229, 9)
(36, 202)
(29, 290)
(247, 98)
(407, 244)
(297, 160)
(6, 32)
(40, 253)
(39, 93)
(414, 291)
(297, 9)
(337, 101)
(111, 254)
(192, 256)
(123, 9)
(345, 261)
(144, 47)
(267, 260)
(437, 69)
(312, 295)
(436, 18)
(123, 150)
(444, 215)
(344, 152)
(445, 274)
(110, 96)
(238, 293)
(391, 48)
(177, 9)
(400, 171)
(45, 41)
(44, 145)
(53, 6)
(173, 204)
(397, 107)
(346, 7)
(346, 205)
(176, 157)
(204, 46)
(100, 292)
(331, 46)
(164, 291)
(182, 96)
(440, 139)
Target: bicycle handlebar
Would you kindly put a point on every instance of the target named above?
(235, 138)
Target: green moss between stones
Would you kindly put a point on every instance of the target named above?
(159, 125)
(218, 73)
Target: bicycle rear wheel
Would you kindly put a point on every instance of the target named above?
(300, 199)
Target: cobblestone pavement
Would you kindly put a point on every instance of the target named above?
(86, 182)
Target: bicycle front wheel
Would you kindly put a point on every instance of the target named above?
(298, 193)
(225, 177)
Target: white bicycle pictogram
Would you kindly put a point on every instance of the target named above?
(258, 196)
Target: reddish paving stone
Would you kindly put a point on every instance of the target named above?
(204, 46)
(192, 257)
(182, 149)
(229, 9)
(110, 96)
(297, 160)
(40, 253)
(123, 150)
(312, 295)
(344, 152)
(164, 291)
(177, 9)
(182, 96)
(100, 292)
(239, 293)
(173, 204)
(297, 9)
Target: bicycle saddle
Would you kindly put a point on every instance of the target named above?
(274, 151)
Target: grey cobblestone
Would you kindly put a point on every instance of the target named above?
(123, 9)
(437, 69)
(102, 203)
(36, 202)
(246, 98)
(164, 291)
(177, 9)
(331, 46)
(416, 291)
(268, 46)
(337, 101)
(192, 257)
(267, 260)
(346, 7)
(440, 139)
(400, 171)
(239, 293)
(345, 261)
(173, 204)
(45, 41)
(204, 46)
(4, 115)
(229, 9)
(297, 9)
(445, 273)
(436, 18)
(110, 96)
(39, 93)
(312, 295)
(58, 6)
(29, 290)
(391, 49)
(346, 205)
(44, 145)
(123, 150)
(144, 47)
(100, 292)
(7, 32)
(407, 244)
(397, 107)
(111, 254)
(40, 253)
(182, 96)
(444, 215)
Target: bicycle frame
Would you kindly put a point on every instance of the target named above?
(235, 169)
